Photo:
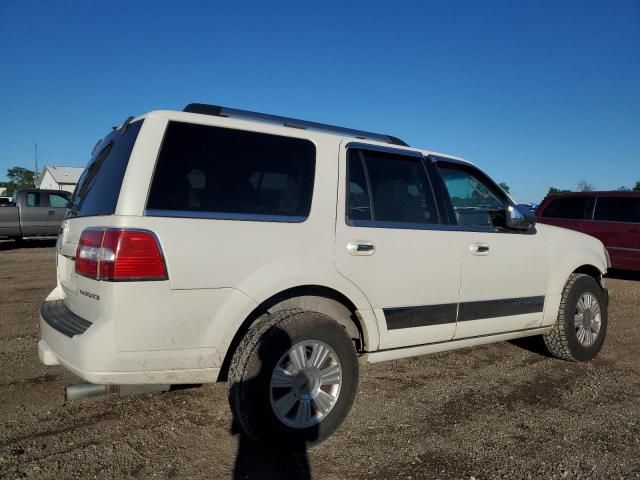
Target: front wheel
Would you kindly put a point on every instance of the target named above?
(293, 378)
(581, 327)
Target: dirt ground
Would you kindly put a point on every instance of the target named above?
(498, 411)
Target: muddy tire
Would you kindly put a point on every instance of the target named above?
(581, 328)
(293, 378)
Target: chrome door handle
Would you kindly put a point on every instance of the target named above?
(51, 212)
(480, 249)
(361, 248)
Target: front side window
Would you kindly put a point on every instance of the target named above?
(476, 202)
(571, 208)
(618, 209)
(234, 173)
(58, 201)
(390, 188)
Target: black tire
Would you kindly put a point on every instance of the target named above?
(254, 361)
(562, 341)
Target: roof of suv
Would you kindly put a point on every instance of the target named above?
(199, 109)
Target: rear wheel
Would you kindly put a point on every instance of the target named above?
(582, 321)
(293, 378)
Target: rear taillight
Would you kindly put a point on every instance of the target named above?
(120, 254)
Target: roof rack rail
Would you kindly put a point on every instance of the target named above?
(289, 122)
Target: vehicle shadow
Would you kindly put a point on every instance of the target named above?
(623, 274)
(273, 458)
(532, 344)
(28, 243)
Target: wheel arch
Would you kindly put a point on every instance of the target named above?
(557, 284)
(314, 298)
(590, 270)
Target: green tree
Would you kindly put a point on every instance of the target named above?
(555, 191)
(585, 187)
(504, 186)
(21, 177)
(637, 187)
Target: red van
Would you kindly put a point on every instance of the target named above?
(612, 217)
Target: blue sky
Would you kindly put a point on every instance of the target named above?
(537, 93)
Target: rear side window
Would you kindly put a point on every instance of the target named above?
(98, 189)
(390, 188)
(33, 199)
(618, 209)
(568, 207)
(232, 174)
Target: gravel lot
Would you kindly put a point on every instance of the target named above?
(499, 411)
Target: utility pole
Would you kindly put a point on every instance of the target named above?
(35, 174)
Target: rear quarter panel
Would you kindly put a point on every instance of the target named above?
(258, 259)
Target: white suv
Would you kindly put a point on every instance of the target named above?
(215, 244)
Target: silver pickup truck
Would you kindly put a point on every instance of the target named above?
(33, 213)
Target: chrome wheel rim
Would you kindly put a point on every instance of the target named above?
(587, 319)
(305, 384)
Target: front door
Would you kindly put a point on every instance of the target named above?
(503, 272)
(58, 203)
(390, 245)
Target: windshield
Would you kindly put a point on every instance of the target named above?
(98, 189)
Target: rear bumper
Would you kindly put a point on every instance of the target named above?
(91, 354)
(59, 317)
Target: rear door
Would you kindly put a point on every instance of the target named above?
(616, 223)
(503, 271)
(390, 242)
(34, 213)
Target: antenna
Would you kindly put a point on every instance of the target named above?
(35, 174)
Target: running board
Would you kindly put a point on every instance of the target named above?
(397, 353)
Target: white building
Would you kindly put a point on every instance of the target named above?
(59, 178)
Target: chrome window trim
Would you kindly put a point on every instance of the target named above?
(245, 217)
(435, 226)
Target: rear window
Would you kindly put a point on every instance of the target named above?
(205, 171)
(98, 189)
(618, 209)
(567, 207)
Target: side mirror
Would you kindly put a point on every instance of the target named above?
(520, 217)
